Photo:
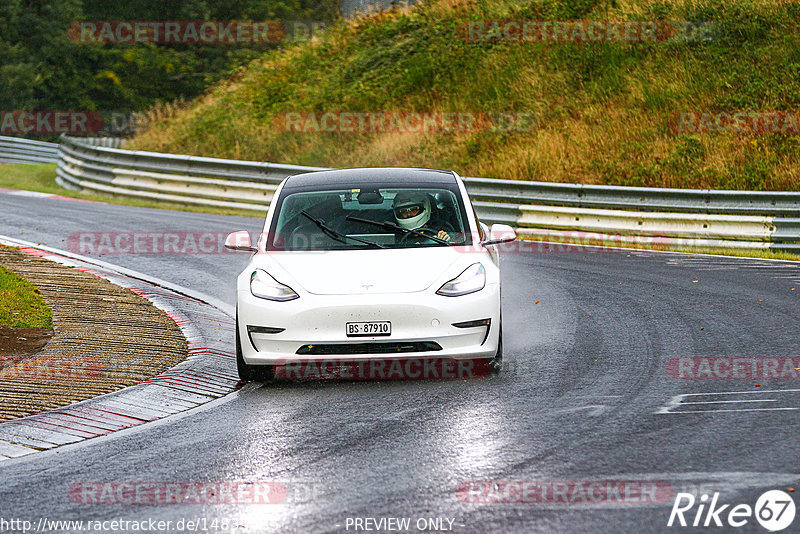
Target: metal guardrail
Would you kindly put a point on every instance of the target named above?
(184, 179)
(19, 150)
(686, 217)
(642, 198)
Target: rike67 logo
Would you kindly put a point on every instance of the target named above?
(774, 510)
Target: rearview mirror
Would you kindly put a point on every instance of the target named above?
(240, 241)
(370, 197)
(500, 233)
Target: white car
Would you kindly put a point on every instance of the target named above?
(359, 266)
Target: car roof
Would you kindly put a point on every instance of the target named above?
(376, 175)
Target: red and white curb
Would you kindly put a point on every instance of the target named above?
(207, 374)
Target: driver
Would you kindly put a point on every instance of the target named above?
(413, 211)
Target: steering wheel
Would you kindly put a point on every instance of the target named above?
(405, 237)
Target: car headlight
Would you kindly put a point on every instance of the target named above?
(471, 280)
(262, 285)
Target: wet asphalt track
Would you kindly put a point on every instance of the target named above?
(585, 375)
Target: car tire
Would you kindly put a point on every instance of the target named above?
(250, 373)
(245, 371)
(496, 363)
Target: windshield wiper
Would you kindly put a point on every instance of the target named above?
(397, 227)
(338, 236)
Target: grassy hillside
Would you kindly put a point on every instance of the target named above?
(606, 111)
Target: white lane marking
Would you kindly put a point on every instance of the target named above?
(35, 194)
(750, 265)
(738, 410)
(679, 400)
(594, 409)
(748, 392)
(729, 401)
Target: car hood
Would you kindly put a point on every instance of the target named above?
(349, 272)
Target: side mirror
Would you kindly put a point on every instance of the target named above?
(500, 233)
(240, 241)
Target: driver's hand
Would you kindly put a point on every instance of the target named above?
(443, 235)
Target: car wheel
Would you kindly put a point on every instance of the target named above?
(496, 363)
(245, 371)
(250, 373)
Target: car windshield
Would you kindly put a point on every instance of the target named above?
(369, 218)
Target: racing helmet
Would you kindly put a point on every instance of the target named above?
(411, 210)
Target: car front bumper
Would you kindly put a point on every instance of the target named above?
(423, 318)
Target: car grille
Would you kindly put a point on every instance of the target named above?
(370, 348)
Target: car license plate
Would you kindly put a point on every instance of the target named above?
(371, 328)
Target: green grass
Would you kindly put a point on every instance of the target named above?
(20, 304)
(41, 178)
